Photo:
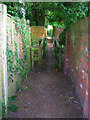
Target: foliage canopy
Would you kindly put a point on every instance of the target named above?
(55, 13)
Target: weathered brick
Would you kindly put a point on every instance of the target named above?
(77, 51)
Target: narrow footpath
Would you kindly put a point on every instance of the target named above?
(52, 94)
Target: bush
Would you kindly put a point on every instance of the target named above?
(62, 38)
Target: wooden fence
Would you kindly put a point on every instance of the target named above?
(9, 31)
(15, 36)
(11, 36)
(38, 31)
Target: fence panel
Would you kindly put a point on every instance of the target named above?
(9, 34)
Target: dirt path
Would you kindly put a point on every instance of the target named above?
(52, 94)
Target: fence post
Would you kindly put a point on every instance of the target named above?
(1, 67)
(4, 57)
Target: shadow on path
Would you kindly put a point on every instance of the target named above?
(52, 94)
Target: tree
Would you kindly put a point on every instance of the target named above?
(56, 13)
(67, 13)
(35, 13)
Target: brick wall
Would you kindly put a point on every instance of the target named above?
(76, 60)
(57, 32)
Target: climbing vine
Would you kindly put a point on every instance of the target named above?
(15, 63)
(10, 62)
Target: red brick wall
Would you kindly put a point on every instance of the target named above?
(57, 32)
(76, 60)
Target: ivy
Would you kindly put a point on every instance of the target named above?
(10, 62)
(16, 64)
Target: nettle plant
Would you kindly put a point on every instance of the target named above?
(15, 63)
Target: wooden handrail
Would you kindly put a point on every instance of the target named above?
(57, 43)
